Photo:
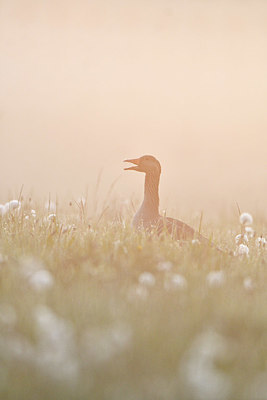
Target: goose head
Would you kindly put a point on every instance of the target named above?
(147, 164)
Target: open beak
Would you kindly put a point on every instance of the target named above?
(133, 161)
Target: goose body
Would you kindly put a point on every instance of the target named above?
(148, 216)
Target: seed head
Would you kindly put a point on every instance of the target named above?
(243, 250)
(147, 279)
(13, 204)
(241, 239)
(215, 278)
(175, 281)
(52, 217)
(249, 231)
(164, 266)
(248, 284)
(246, 219)
(261, 242)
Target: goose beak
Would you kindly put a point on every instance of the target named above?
(133, 161)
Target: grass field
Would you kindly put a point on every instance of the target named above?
(90, 309)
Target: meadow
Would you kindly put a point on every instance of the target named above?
(91, 309)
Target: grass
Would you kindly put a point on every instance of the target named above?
(86, 328)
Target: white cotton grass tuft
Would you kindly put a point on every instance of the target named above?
(215, 278)
(9, 206)
(260, 242)
(241, 238)
(164, 266)
(147, 279)
(56, 352)
(41, 280)
(175, 281)
(249, 231)
(242, 250)
(14, 204)
(52, 217)
(246, 219)
(200, 373)
(248, 284)
(37, 276)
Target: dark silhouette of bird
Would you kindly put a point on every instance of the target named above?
(148, 216)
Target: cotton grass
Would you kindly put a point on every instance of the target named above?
(147, 279)
(246, 219)
(215, 278)
(175, 282)
(243, 250)
(9, 207)
(85, 312)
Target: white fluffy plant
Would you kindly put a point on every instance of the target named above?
(242, 239)
(9, 207)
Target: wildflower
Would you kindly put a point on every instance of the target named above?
(248, 284)
(215, 278)
(246, 219)
(260, 242)
(243, 250)
(147, 279)
(41, 279)
(241, 238)
(164, 266)
(175, 281)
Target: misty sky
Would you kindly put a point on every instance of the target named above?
(86, 84)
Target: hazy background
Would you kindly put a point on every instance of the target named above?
(86, 84)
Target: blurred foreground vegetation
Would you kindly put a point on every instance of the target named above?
(90, 309)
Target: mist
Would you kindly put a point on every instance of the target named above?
(85, 85)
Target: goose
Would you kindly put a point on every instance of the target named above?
(148, 217)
